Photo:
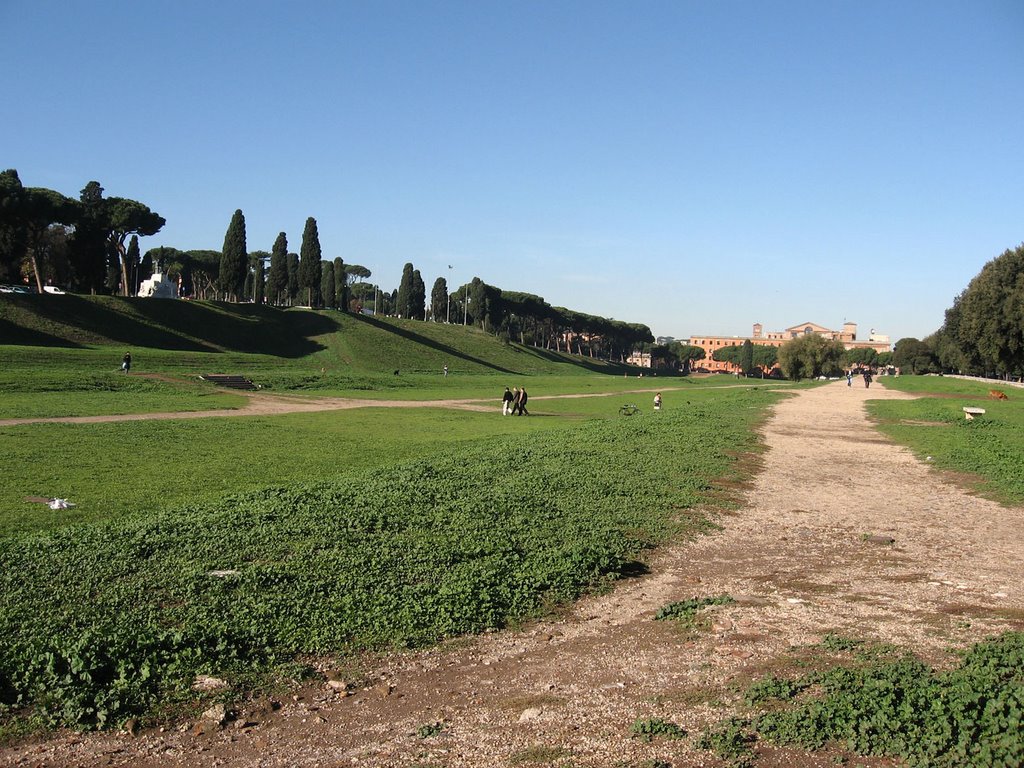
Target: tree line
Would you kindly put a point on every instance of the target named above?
(91, 245)
(982, 333)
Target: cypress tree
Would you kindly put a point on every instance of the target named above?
(132, 260)
(277, 278)
(309, 261)
(234, 261)
(403, 299)
(439, 300)
(327, 294)
(293, 278)
(340, 285)
(418, 297)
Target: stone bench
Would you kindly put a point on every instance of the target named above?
(970, 413)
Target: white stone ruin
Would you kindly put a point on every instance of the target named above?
(158, 287)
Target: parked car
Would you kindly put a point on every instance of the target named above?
(53, 289)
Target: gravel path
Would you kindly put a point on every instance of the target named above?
(565, 691)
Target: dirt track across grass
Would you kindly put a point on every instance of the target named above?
(565, 691)
(264, 404)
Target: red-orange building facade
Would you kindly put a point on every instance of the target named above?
(848, 336)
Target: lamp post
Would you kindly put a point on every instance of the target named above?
(448, 310)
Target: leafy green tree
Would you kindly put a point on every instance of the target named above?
(12, 235)
(439, 300)
(984, 330)
(234, 259)
(340, 285)
(124, 217)
(292, 262)
(328, 296)
(202, 268)
(811, 356)
(277, 277)
(765, 356)
(911, 355)
(39, 209)
(730, 354)
(687, 354)
(309, 261)
(169, 261)
(861, 356)
(356, 292)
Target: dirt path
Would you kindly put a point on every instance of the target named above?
(565, 691)
(263, 404)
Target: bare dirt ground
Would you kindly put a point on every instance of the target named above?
(564, 692)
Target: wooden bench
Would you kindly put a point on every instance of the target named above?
(970, 413)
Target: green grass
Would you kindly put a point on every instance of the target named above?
(114, 469)
(990, 449)
(290, 340)
(475, 534)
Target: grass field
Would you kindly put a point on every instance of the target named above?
(339, 531)
(342, 530)
(988, 452)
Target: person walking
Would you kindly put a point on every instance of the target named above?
(867, 378)
(126, 362)
(506, 402)
(522, 402)
(849, 378)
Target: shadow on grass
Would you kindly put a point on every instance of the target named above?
(427, 342)
(193, 326)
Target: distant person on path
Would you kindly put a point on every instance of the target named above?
(849, 379)
(657, 402)
(522, 403)
(867, 379)
(126, 362)
(506, 402)
(446, 371)
(514, 405)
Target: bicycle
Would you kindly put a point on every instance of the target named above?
(629, 409)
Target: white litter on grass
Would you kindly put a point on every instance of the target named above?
(52, 503)
(795, 600)
(222, 574)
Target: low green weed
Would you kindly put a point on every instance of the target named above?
(685, 612)
(650, 729)
(732, 741)
(897, 707)
(428, 730)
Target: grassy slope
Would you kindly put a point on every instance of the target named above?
(209, 335)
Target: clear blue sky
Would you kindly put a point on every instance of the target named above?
(696, 166)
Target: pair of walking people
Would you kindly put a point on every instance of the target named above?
(513, 402)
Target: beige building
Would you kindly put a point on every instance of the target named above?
(848, 336)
